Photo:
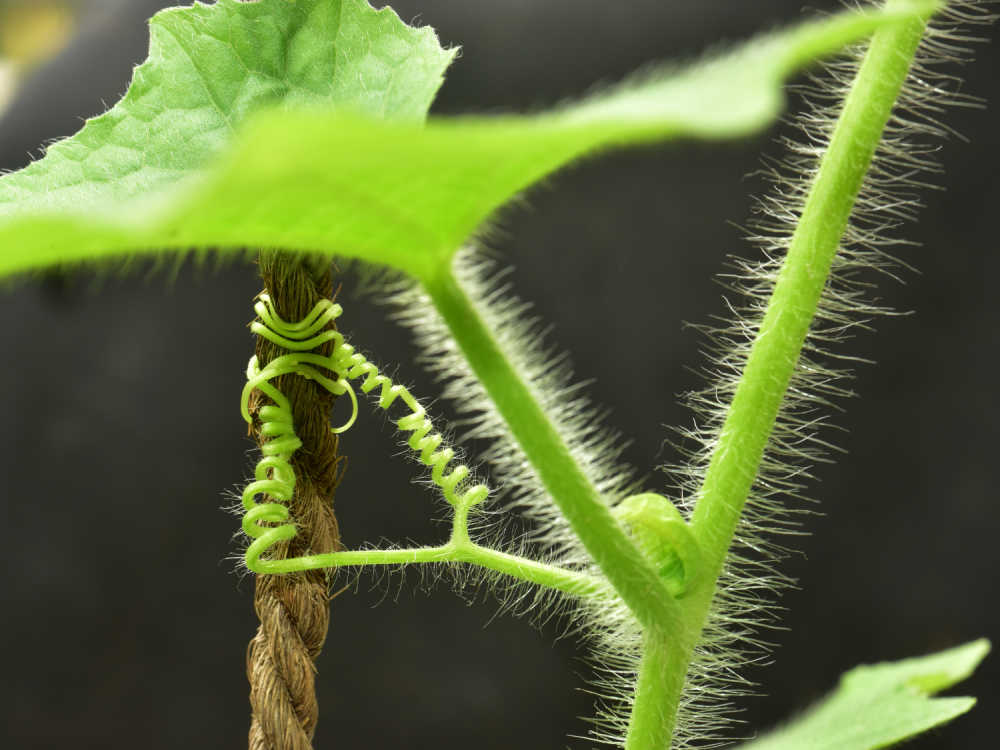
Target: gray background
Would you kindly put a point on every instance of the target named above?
(122, 622)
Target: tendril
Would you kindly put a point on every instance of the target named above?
(267, 523)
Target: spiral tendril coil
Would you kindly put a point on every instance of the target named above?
(268, 523)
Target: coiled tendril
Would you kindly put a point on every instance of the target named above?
(274, 476)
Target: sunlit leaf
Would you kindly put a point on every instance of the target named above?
(340, 163)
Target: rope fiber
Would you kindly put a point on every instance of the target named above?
(294, 609)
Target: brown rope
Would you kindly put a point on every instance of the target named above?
(294, 609)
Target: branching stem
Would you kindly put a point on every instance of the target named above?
(672, 626)
(521, 568)
(588, 514)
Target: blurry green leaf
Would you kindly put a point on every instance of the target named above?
(322, 173)
(879, 705)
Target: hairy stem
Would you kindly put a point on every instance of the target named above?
(620, 560)
(521, 568)
(657, 693)
(526, 569)
(796, 294)
(773, 358)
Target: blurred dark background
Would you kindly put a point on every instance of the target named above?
(123, 622)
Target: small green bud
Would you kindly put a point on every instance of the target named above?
(665, 539)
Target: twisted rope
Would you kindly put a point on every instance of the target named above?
(294, 609)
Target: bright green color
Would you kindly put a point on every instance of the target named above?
(274, 477)
(797, 292)
(209, 67)
(297, 124)
(790, 311)
(879, 705)
(661, 677)
(665, 538)
(146, 174)
(588, 514)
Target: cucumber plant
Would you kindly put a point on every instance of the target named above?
(298, 128)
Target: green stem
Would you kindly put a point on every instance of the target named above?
(658, 691)
(526, 569)
(444, 553)
(793, 303)
(773, 358)
(522, 568)
(588, 515)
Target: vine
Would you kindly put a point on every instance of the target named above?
(275, 478)
(339, 90)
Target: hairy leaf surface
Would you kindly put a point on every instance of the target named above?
(328, 172)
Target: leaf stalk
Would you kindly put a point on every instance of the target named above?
(575, 495)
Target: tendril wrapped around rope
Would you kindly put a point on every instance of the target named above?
(274, 477)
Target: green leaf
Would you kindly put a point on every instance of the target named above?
(209, 67)
(879, 705)
(320, 173)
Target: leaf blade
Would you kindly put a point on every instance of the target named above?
(311, 179)
(878, 705)
(209, 67)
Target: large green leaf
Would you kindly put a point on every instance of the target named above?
(209, 67)
(322, 172)
(881, 704)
